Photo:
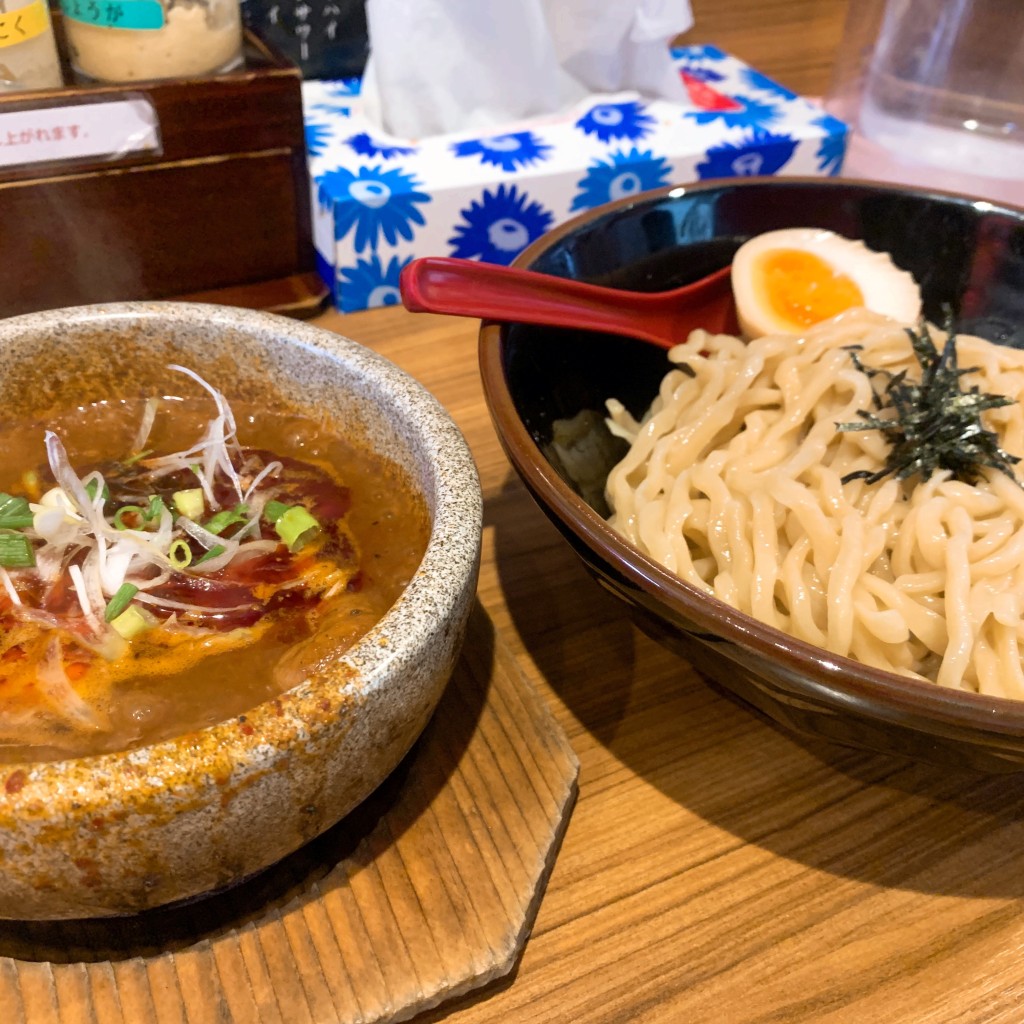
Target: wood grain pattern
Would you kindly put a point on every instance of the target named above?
(428, 890)
(793, 41)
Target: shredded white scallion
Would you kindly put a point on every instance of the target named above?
(8, 583)
(73, 531)
(57, 689)
(82, 592)
(194, 609)
(270, 469)
(146, 426)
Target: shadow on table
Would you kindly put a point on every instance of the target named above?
(854, 814)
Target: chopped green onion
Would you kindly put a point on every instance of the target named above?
(135, 510)
(294, 526)
(190, 502)
(120, 601)
(16, 550)
(14, 512)
(217, 549)
(132, 459)
(90, 489)
(131, 622)
(156, 507)
(273, 510)
(227, 517)
(179, 554)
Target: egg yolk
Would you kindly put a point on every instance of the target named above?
(803, 289)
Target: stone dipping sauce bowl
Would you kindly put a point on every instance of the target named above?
(120, 833)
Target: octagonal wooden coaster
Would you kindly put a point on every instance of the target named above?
(426, 891)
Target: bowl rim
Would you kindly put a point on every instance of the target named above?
(528, 256)
(365, 665)
(891, 696)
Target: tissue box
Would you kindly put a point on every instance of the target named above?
(378, 201)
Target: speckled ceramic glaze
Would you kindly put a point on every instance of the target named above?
(119, 833)
(965, 253)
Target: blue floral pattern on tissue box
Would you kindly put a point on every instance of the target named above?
(379, 202)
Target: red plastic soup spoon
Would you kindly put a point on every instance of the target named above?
(486, 291)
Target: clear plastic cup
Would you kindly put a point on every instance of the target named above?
(934, 92)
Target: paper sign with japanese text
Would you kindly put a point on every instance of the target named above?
(74, 131)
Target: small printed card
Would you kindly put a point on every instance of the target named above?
(70, 131)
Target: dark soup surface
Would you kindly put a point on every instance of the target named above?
(168, 563)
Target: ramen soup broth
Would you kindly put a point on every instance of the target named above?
(169, 689)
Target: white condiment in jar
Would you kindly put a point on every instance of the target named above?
(132, 40)
(28, 53)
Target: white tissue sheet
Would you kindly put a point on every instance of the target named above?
(380, 201)
(619, 46)
(439, 66)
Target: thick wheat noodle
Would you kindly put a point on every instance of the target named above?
(733, 481)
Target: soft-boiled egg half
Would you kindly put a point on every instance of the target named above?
(786, 281)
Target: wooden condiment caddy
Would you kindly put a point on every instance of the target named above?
(219, 211)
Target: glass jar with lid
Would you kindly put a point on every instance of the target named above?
(133, 40)
(28, 52)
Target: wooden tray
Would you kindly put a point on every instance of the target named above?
(428, 890)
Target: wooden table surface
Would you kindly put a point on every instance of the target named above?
(716, 870)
